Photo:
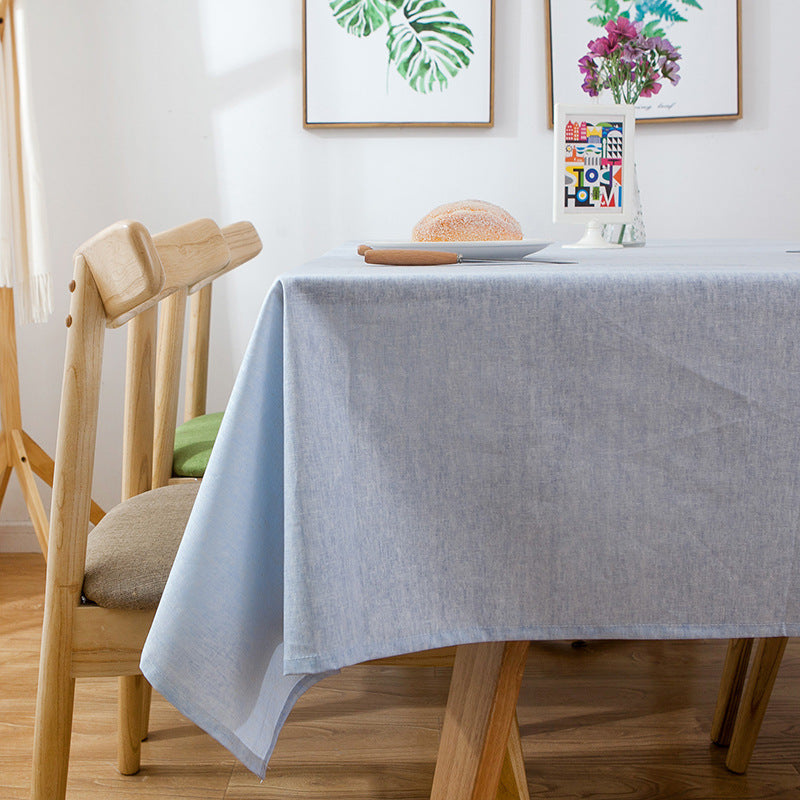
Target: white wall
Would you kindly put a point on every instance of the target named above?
(166, 110)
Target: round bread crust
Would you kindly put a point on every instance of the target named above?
(467, 221)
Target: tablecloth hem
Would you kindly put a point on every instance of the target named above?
(400, 646)
(255, 762)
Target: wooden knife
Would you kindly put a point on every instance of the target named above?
(428, 258)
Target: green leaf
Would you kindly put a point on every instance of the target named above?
(608, 10)
(692, 3)
(653, 28)
(362, 17)
(608, 7)
(664, 10)
(430, 45)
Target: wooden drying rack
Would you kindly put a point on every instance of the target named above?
(18, 451)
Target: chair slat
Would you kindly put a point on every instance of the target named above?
(167, 388)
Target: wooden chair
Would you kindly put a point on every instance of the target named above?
(102, 587)
(741, 705)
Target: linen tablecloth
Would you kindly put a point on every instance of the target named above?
(420, 457)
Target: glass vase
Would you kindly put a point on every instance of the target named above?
(629, 234)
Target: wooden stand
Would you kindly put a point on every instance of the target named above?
(18, 451)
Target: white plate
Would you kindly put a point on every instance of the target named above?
(488, 250)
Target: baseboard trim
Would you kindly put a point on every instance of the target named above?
(18, 537)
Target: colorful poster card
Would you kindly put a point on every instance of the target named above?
(593, 170)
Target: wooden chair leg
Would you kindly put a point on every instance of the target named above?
(147, 696)
(513, 780)
(480, 710)
(129, 723)
(730, 690)
(51, 743)
(754, 702)
(53, 724)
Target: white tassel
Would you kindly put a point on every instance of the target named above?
(37, 302)
(37, 298)
(6, 264)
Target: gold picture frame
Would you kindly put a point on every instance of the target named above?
(710, 89)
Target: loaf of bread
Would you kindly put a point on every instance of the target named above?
(467, 221)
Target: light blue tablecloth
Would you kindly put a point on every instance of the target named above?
(420, 457)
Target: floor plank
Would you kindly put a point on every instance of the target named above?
(609, 719)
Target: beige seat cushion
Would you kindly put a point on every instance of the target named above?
(130, 552)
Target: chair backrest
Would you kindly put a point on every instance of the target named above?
(243, 244)
(121, 275)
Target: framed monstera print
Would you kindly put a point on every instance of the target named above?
(376, 63)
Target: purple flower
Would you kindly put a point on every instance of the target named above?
(664, 48)
(603, 46)
(651, 84)
(587, 65)
(627, 63)
(623, 28)
(650, 88)
(633, 52)
(590, 87)
(669, 70)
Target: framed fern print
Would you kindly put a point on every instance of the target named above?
(376, 63)
(705, 33)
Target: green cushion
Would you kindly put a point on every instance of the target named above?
(129, 553)
(193, 442)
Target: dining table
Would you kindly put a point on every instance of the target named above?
(480, 455)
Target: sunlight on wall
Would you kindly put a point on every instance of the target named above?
(238, 33)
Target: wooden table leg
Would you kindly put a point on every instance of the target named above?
(513, 780)
(754, 702)
(480, 710)
(731, 684)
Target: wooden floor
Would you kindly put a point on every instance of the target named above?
(605, 721)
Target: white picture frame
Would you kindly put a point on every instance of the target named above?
(593, 163)
(359, 71)
(707, 36)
